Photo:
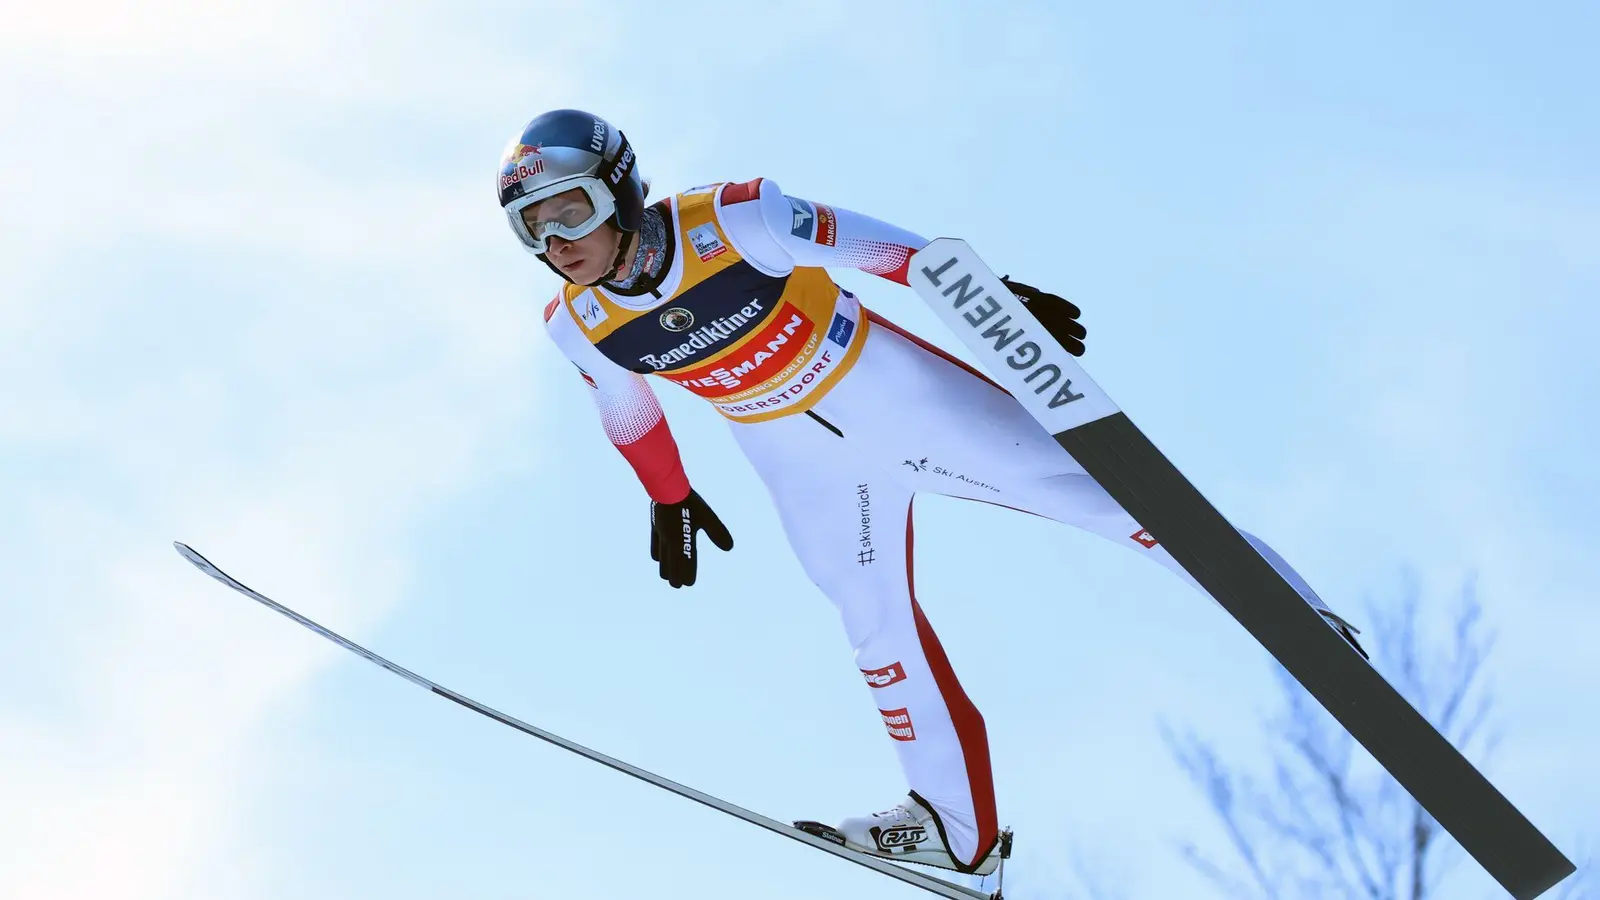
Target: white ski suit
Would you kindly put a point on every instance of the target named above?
(845, 417)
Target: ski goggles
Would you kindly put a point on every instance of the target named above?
(569, 209)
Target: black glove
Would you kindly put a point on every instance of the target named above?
(1058, 315)
(672, 536)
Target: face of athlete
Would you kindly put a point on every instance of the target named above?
(584, 260)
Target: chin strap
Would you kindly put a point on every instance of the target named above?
(622, 251)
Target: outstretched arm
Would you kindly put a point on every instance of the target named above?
(629, 412)
(781, 232)
(777, 232)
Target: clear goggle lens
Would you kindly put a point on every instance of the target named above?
(570, 214)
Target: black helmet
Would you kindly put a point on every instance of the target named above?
(564, 150)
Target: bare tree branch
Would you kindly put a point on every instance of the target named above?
(1330, 821)
(1200, 762)
(1230, 886)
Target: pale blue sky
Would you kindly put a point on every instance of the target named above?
(255, 295)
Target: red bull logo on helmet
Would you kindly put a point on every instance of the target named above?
(517, 166)
(516, 173)
(521, 152)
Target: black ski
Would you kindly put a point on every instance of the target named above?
(918, 879)
(1027, 361)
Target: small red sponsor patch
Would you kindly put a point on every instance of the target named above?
(741, 192)
(1144, 537)
(827, 226)
(550, 309)
(881, 678)
(898, 721)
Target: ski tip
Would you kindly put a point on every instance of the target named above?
(821, 830)
(192, 555)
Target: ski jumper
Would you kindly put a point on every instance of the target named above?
(845, 417)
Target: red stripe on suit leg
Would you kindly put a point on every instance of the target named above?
(970, 730)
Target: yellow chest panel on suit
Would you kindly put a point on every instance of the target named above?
(756, 346)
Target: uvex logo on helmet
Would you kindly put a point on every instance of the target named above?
(623, 164)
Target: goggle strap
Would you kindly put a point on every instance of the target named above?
(614, 170)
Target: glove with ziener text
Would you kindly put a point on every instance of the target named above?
(673, 536)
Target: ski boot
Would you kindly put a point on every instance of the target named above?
(909, 831)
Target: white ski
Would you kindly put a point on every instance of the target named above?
(1025, 359)
(917, 879)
